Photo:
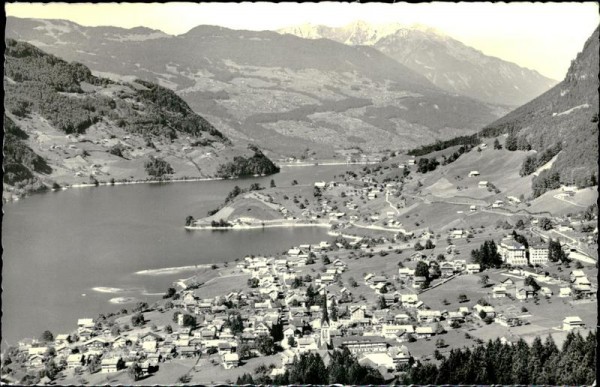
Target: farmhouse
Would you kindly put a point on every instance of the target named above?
(111, 365)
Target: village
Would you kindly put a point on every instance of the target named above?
(404, 279)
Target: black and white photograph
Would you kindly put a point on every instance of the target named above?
(262, 193)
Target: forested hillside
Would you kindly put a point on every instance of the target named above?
(20, 161)
(64, 125)
(46, 84)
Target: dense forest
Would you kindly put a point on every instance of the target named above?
(518, 363)
(467, 141)
(309, 368)
(258, 164)
(19, 159)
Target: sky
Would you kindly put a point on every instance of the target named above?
(540, 36)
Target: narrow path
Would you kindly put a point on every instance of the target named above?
(387, 193)
(568, 201)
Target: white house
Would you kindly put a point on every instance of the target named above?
(538, 255)
(572, 322)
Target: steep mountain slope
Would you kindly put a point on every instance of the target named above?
(284, 92)
(446, 62)
(561, 126)
(564, 119)
(65, 125)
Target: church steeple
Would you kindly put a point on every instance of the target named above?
(325, 316)
(325, 324)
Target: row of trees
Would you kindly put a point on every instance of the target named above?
(519, 363)
(157, 167)
(425, 165)
(487, 255)
(533, 162)
(309, 368)
(441, 145)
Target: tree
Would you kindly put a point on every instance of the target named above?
(440, 343)
(422, 270)
(265, 344)
(484, 279)
(157, 167)
(93, 364)
(497, 144)
(429, 244)
(418, 247)
(189, 220)
(47, 336)
(520, 224)
(115, 330)
(138, 320)
(291, 341)
(244, 351)
(253, 282)
(529, 166)
(511, 142)
(545, 224)
(382, 304)
(235, 323)
(189, 321)
(170, 293)
(134, 371)
(462, 298)
(487, 255)
(272, 183)
(140, 306)
(555, 251)
(530, 281)
(168, 329)
(51, 369)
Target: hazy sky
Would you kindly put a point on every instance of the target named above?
(541, 36)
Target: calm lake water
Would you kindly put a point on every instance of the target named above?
(61, 245)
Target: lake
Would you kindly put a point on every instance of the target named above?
(61, 245)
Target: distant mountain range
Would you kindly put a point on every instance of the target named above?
(282, 92)
(446, 62)
(564, 119)
(64, 125)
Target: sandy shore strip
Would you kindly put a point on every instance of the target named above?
(123, 300)
(258, 226)
(172, 270)
(102, 289)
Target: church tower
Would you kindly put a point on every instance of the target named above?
(325, 324)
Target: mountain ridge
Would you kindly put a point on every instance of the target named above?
(440, 59)
(285, 92)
